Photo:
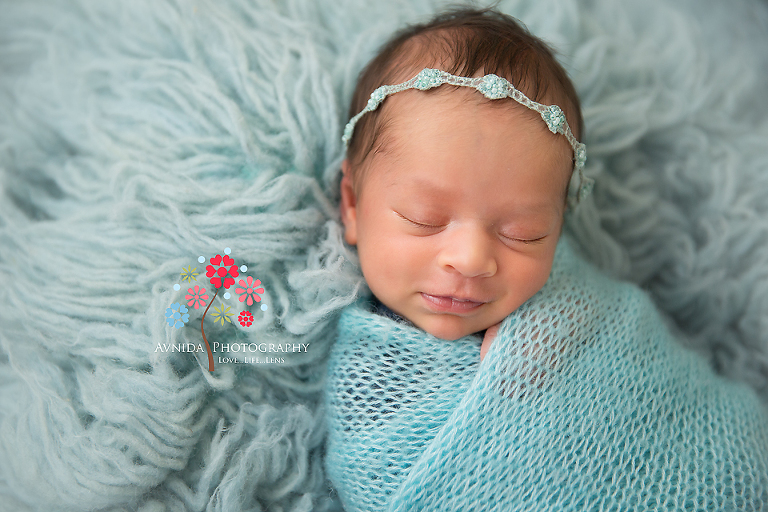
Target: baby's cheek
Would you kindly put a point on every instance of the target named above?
(540, 280)
(529, 277)
(539, 276)
(383, 264)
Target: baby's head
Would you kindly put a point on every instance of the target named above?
(455, 201)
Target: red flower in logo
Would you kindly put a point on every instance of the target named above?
(222, 271)
(245, 318)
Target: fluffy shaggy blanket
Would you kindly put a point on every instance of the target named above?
(137, 137)
(583, 402)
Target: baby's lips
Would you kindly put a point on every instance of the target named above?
(475, 297)
(448, 304)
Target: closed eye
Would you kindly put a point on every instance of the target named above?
(531, 241)
(421, 225)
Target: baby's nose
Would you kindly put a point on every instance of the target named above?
(469, 250)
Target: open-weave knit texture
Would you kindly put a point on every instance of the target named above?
(584, 402)
(137, 135)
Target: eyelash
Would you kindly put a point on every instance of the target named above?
(437, 226)
(418, 224)
(532, 241)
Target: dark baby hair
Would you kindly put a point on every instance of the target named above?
(462, 42)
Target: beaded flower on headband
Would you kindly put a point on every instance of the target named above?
(492, 87)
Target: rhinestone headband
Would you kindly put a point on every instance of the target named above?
(492, 87)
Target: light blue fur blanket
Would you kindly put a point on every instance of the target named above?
(137, 136)
(583, 402)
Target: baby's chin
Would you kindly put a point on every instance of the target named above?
(449, 327)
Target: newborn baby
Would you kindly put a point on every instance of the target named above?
(455, 201)
(463, 157)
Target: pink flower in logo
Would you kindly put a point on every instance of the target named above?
(249, 291)
(245, 318)
(222, 271)
(196, 297)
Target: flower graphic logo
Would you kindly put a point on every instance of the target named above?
(248, 292)
(196, 297)
(177, 315)
(245, 318)
(222, 271)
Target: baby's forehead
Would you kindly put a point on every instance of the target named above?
(456, 113)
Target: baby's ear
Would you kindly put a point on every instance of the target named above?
(348, 205)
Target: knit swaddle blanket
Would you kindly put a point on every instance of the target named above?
(584, 402)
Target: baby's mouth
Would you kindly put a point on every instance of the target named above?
(445, 304)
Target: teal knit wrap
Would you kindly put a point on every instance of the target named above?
(584, 402)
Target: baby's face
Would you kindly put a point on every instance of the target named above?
(457, 219)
